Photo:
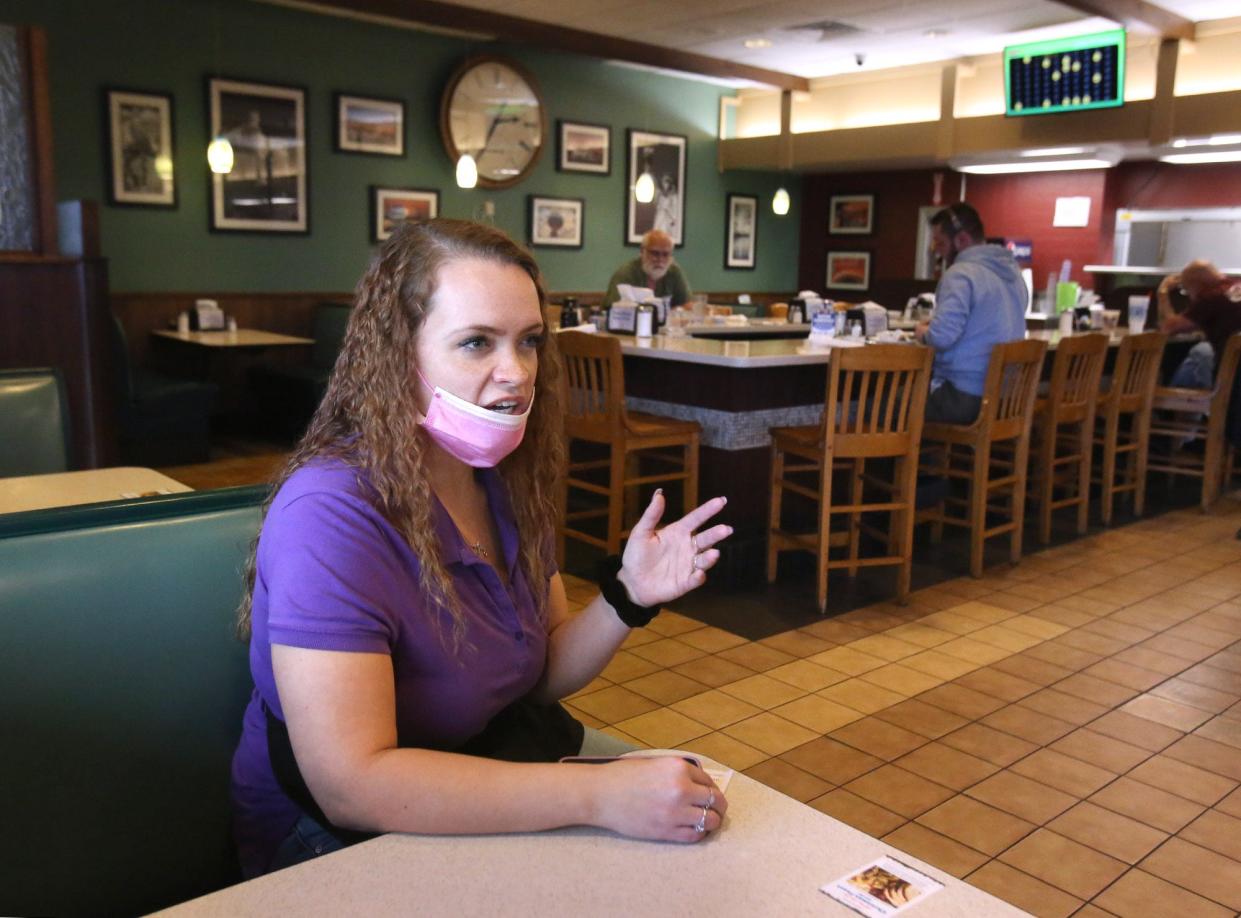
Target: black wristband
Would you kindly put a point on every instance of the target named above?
(616, 596)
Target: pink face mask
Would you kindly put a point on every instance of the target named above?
(477, 436)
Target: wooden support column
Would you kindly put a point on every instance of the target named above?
(1162, 106)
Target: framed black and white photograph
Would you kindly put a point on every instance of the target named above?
(267, 189)
(851, 214)
(365, 124)
(392, 206)
(556, 222)
(583, 147)
(658, 161)
(141, 169)
(848, 270)
(741, 236)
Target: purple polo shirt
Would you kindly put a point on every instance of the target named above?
(333, 574)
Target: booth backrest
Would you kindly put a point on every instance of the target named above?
(34, 422)
(329, 334)
(121, 693)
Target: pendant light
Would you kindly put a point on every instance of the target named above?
(467, 171)
(220, 156)
(644, 188)
(780, 202)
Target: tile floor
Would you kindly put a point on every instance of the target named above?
(1065, 734)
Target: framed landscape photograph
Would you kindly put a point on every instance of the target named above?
(662, 157)
(369, 125)
(267, 190)
(741, 236)
(848, 270)
(583, 147)
(556, 221)
(140, 148)
(392, 206)
(852, 214)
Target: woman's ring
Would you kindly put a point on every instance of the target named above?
(702, 822)
(710, 799)
(693, 542)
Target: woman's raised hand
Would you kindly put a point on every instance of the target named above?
(665, 798)
(661, 564)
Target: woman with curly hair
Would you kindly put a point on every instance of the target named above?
(409, 634)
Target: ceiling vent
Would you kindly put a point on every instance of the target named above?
(827, 29)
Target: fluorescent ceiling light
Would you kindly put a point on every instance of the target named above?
(1216, 140)
(1223, 156)
(758, 42)
(1054, 151)
(1060, 165)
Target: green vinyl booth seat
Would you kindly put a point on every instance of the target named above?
(34, 422)
(121, 696)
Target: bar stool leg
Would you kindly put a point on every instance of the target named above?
(1212, 468)
(1021, 471)
(824, 540)
(903, 523)
(616, 498)
(690, 492)
(1107, 488)
(1046, 484)
(773, 518)
(978, 506)
(856, 471)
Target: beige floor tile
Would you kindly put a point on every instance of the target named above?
(1065, 773)
(985, 612)
(587, 721)
(962, 701)
(769, 733)
(1185, 650)
(805, 675)
(817, 714)
(1111, 833)
(624, 737)
(1024, 891)
(668, 652)
(594, 685)
(716, 709)
(797, 644)
(1156, 661)
(1006, 638)
(762, 691)
(614, 704)
(837, 632)
(1147, 804)
(665, 686)
(996, 684)
(938, 850)
(1032, 801)
(1062, 706)
(1011, 601)
(1224, 729)
(953, 622)
(1092, 688)
(886, 647)
(874, 736)
(1061, 615)
(664, 728)
(900, 791)
(1183, 779)
(1032, 669)
(1183, 691)
(834, 762)
(1035, 626)
(1070, 658)
(858, 812)
(639, 636)
(984, 742)
(1137, 731)
(939, 665)
(625, 666)
(1140, 895)
(1064, 863)
(920, 634)
(982, 827)
(1169, 713)
(848, 660)
(861, 695)
(966, 648)
(711, 640)
(946, 766)
(901, 679)
(755, 657)
(1217, 831)
(788, 779)
(713, 671)
(670, 624)
(1115, 755)
(1209, 873)
(1028, 724)
(922, 718)
(1091, 642)
(725, 750)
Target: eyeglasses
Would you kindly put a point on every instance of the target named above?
(658, 253)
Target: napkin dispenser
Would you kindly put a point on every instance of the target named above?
(207, 316)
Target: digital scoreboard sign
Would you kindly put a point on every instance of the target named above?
(1065, 74)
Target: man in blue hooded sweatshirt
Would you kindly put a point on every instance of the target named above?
(980, 302)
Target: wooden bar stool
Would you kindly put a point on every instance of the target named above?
(596, 414)
(1127, 400)
(873, 409)
(965, 451)
(1178, 416)
(1063, 431)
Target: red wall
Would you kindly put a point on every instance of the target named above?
(1019, 206)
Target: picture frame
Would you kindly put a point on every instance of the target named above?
(555, 222)
(369, 124)
(741, 231)
(268, 189)
(141, 148)
(582, 147)
(663, 157)
(848, 270)
(390, 206)
(851, 215)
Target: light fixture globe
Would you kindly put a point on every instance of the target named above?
(220, 156)
(467, 171)
(644, 189)
(780, 202)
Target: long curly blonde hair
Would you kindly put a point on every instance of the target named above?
(368, 416)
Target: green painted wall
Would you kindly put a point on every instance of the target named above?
(171, 45)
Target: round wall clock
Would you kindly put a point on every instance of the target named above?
(492, 110)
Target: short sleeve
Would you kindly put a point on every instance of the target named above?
(334, 574)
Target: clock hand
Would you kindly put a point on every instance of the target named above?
(495, 122)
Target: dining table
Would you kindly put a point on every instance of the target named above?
(90, 486)
(772, 856)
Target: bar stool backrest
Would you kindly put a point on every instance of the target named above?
(1075, 376)
(876, 398)
(1011, 388)
(595, 380)
(1136, 373)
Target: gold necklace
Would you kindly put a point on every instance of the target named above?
(478, 549)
